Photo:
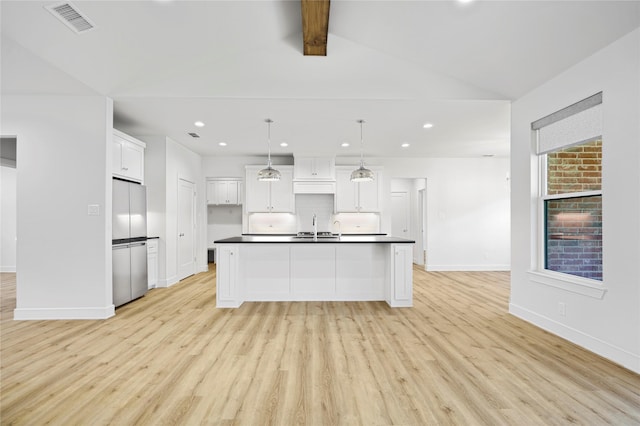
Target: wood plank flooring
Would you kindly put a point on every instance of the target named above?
(457, 357)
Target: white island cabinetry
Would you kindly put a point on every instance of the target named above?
(349, 269)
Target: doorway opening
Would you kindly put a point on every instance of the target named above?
(409, 214)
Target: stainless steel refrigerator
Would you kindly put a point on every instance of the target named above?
(129, 241)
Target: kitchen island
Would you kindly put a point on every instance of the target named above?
(288, 268)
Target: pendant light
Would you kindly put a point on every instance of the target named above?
(361, 174)
(269, 174)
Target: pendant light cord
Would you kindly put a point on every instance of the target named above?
(269, 121)
(361, 144)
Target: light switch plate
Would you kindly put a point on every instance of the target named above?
(93, 209)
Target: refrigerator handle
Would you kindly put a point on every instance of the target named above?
(137, 244)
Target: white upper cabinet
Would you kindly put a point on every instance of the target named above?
(128, 157)
(274, 197)
(314, 168)
(357, 196)
(224, 191)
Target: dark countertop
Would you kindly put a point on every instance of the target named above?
(375, 239)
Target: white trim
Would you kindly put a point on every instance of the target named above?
(38, 314)
(570, 283)
(8, 269)
(168, 282)
(468, 268)
(607, 350)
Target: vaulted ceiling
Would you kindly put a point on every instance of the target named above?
(231, 64)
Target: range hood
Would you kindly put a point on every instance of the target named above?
(314, 187)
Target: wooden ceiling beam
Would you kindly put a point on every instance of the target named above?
(315, 26)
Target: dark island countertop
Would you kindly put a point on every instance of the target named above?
(291, 239)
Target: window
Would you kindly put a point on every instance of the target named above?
(570, 152)
(573, 211)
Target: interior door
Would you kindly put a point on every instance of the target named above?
(186, 229)
(400, 214)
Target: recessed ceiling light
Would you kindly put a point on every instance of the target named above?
(405, 145)
(284, 144)
(222, 143)
(344, 144)
(465, 1)
(199, 124)
(427, 125)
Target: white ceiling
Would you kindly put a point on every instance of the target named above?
(231, 64)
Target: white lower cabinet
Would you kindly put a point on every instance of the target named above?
(152, 263)
(313, 272)
(401, 275)
(227, 293)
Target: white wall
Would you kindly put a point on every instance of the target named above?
(165, 162)
(63, 254)
(468, 225)
(185, 164)
(608, 325)
(7, 219)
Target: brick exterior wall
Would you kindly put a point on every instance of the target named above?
(575, 169)
(574, 225)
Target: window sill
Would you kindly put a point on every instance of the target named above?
(578, 285)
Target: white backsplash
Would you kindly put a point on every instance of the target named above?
(271, 223)
(309, 204)
(357, 223)
(306, 206)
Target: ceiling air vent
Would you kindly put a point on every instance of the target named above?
(71, 17)
(194, 135)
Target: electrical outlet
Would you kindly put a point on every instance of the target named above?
(562, 309)
(93, 209)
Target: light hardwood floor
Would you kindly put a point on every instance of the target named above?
(456, 357)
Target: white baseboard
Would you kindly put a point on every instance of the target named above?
(611, 352)
(8, 268)
(168, 282)
(467, 268)
(63, 313)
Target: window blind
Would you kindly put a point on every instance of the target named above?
(575, 124)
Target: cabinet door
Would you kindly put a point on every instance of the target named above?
(133, 161)
(152, 263)
(211, 192)
(369, 195)
(346, 192)
(314, 168)
(232, 192)
(303, 168)
(282, 200)
(324, 168)
(116, 160)
(227, 291)
(127, 159)
(257, 193)
(402, 275)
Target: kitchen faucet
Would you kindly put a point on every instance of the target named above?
(315, 228)
(339, 228)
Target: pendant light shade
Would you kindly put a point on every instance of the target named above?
(268, 174)
(362, 174)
